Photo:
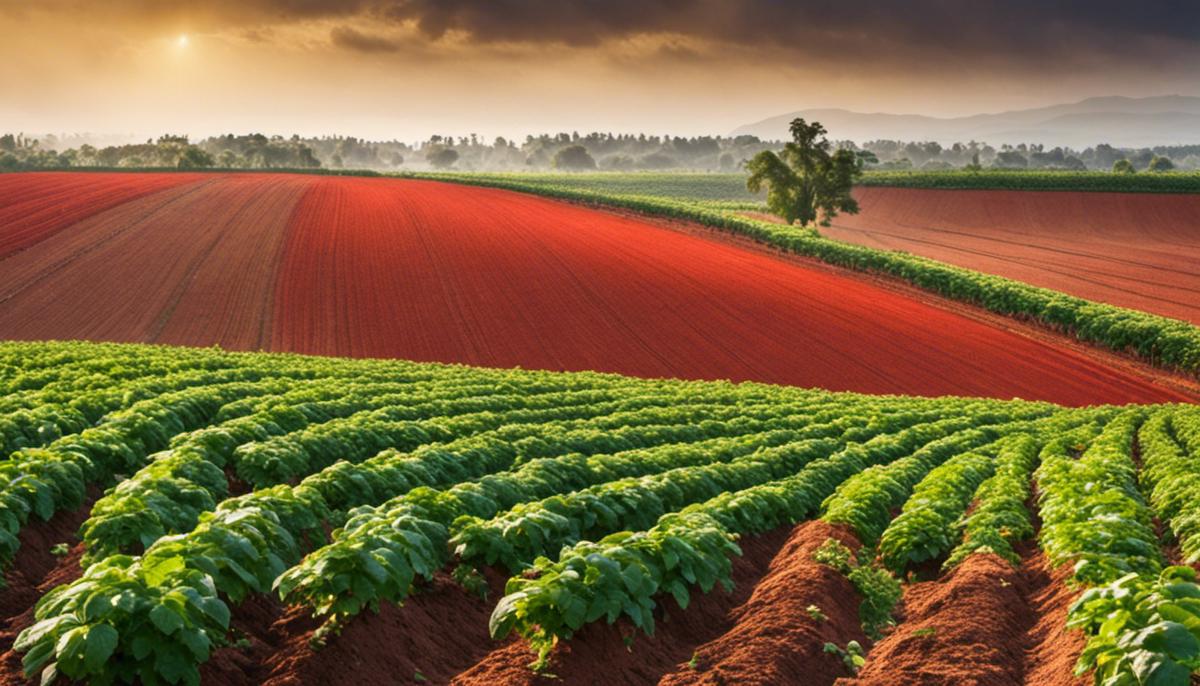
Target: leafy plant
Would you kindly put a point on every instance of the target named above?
(1141, 631)
(879, 590)
(852, 655)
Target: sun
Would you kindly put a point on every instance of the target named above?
(182, 41)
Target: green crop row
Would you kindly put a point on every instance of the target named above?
(248, 541)
(606, 496)
(1030, 180)
(337, 580)
(1170, 449)
(623, 573)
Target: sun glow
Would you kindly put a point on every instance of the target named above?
(182, 41)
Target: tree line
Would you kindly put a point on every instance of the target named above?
(562, 151)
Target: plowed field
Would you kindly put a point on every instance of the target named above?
(1136, 250)
(431, 271)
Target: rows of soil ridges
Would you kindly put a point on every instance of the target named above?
(191, 514)
(35, 206)
(1135, 250)
(430, 271)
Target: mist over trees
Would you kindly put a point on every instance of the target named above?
(547, 152)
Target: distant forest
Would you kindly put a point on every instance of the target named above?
(563, 151)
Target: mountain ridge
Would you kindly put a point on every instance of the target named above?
(1118, 120)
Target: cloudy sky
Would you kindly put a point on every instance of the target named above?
(409, 68)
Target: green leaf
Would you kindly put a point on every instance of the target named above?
(1173, 639)
(1156, 670)
(101, 642)
(158, 572)
(166, 619)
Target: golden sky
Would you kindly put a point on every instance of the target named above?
(409, 68)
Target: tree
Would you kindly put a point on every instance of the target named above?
(194, 158)
(441, 157)
(806, 182)
(865, 157)
(1160, 164)
(1010, 159)
(228, 159)
(1123, 167)
(573, 158)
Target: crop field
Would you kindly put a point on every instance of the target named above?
(33, 207)
(190, 514)
(463, 434)
(730, 188)
(1134, 250)
(429, 271)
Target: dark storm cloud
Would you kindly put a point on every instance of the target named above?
(353, 39)
(981, 23)
(1019, 30)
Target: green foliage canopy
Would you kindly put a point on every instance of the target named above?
(806, 182)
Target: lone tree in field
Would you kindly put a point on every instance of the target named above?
(806, 182)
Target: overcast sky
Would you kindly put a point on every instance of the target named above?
(409, 68)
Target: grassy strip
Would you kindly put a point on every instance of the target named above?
(731, 187)
(1161, 341)
(1037, 180)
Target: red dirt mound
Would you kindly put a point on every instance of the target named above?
(1053, 648)
(774, 639)
(1139, 250)
(35, 206)
(626, 655)
(985, 624)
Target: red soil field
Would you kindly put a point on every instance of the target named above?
(433, 271)
(1136, 250)
(191, 265)
(34, 206)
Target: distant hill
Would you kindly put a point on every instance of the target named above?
(1120, 121)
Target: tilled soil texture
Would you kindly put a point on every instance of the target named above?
(985, 624)
(775, 638)
(423, 270)
(1138, 250)
(35, 206)
(433, 271)
(191, 265)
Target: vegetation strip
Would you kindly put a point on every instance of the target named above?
(610, 498)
